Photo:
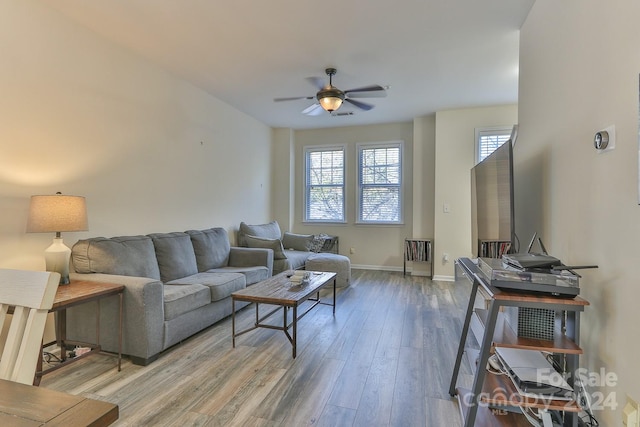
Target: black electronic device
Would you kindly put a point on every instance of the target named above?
(531, 260)
(499, 274)
(540, 262)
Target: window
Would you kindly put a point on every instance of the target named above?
(380, 183)
(487, 140)
(324, 184)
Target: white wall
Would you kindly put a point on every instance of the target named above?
(454, 158)
(578, 74)
(424, 176)
(375, 246)
(150, 152)
(283, 182)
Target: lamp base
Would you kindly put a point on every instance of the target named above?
(57, 258)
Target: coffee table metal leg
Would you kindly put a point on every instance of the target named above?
(334, 296)
(295, 329)
(233, 322)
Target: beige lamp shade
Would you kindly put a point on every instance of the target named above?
(57, 213)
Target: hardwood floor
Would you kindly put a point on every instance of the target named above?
(385, 359)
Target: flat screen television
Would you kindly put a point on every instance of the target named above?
(492, 204)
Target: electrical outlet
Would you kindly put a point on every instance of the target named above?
(352, 250)
(445, 257)
(631, 413)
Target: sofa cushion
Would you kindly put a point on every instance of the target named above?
(297, 258)
(268, 231)
(339, 264)
(180, 299)
(252, 274)
(221, 285)
(211, 247)
(175, 255)
(261, 242)
(297, 242)
(126, 256)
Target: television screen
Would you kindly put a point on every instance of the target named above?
(492, 212)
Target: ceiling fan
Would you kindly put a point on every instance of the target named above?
(330, 98)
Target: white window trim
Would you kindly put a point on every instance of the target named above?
(316, 148)
(387, 144)
(493, 130)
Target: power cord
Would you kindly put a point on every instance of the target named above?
(495, 366)
(584, 402)
(532, 418)
(542, 418)
(50, 358)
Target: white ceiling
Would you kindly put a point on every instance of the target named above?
(433, 54)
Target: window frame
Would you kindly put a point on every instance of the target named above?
(307, 186)
(360, 186)
(500, 131)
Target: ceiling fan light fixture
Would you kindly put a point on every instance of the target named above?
(330, 98)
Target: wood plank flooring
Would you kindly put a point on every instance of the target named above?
(385, 359)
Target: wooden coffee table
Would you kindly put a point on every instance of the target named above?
(278, 291)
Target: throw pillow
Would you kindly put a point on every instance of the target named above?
(297, 242)
(175, 255)
(318, 242)
(211, 247)
(268, 231)
(261, 242)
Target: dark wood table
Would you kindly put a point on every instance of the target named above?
(277, 290)
(27, 405)
(76, 293)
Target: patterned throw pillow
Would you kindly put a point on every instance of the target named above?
(318, 242)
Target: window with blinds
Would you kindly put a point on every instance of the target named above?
(488, 140)
(324, 184)
(380, 183)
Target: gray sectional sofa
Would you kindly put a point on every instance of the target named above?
(290, 251)
(176, 284)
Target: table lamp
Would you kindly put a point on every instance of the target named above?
(57, 213)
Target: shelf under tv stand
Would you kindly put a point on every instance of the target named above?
(493, 331)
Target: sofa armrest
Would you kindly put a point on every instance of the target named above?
(249, 257)
(143, 316)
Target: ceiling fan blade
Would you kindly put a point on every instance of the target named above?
(366, 95)
(293, 98)
(373, 91)
(361, 105)
(317, 82)
(313, 110)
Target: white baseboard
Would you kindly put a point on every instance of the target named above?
(375, 267)
(419, 273)
(444, 278)
(400, 269)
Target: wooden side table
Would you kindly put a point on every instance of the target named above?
(76, 293)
